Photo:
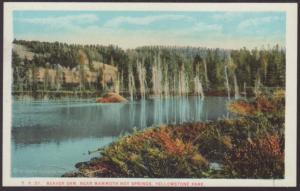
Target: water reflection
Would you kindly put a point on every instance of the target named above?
(50, 137)
(40, 122)
(55, 158)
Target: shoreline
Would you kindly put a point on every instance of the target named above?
(52, 95)
(90, 95)
(189, 149)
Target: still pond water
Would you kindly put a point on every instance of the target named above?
(50, 137)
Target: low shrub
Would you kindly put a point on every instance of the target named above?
(256, 158)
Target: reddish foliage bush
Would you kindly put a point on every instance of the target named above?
(260, 158)
(242, 107)
(172, 146)
(188, 132)
(263, 104)
(162, 137)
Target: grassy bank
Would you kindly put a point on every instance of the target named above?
(251, 146)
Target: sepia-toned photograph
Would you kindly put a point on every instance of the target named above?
(155, 94)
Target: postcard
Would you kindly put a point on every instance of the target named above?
(149, 94)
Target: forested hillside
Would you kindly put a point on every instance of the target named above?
(149, 70)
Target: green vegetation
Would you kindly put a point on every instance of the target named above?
(249, 146)
(218, 70)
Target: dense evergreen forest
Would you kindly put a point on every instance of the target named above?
(158, 70)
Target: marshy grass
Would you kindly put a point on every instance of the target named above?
(251, 146)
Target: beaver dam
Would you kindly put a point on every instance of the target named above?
(202, 112)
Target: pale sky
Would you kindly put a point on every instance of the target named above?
(129, 29)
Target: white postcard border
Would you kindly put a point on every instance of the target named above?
(291, 94)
